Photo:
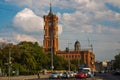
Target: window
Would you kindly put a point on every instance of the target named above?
(50, 24)
(66, 56)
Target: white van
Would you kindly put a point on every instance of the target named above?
(88, 71)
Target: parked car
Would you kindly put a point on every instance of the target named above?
(54, 75)
(117, 72)
(60, 74)
(88, 71)
(102, 71)
(80, 75)
(72, 74)
(65, 75)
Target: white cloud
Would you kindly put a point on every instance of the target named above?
(63, 3)
(59, 29)
(20, 38)
(86, 17)
(100, 29)
(30, 3)
(2, 40)
(114, 30)
(20, 2)
(28, 21)
(77, 21)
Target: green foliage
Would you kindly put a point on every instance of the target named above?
(24, 56)
(74, 64)
(117, 62)
(29, 58)
(59, 63)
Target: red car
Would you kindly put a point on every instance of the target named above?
(82, 75)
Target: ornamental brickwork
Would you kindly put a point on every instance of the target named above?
(50, 43)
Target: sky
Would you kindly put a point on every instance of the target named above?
(95, 22)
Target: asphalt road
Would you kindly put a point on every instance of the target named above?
(99, 76)
(68, 79)
(103, 76)
(109, 76)
(93, 78)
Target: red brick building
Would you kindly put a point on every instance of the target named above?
(86, 56)
(50, 43)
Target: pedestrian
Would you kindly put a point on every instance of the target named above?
(38, 75)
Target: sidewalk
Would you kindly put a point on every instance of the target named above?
(34, 77)
(23, 77)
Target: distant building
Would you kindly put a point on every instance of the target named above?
(101, 66)
(86, 56)
(50, 43)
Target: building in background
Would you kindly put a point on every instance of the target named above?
(101, 66)
(86, 56)
(50, 43)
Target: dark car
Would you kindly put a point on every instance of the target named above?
(117, 72)
(65, 75)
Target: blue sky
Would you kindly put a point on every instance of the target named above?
(82, 20)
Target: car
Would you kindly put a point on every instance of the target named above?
(54, 75)
(117, 72)
(65, 75)
(88, 71)
(72, 74)
(102, 71)
(81, 75)
(60, 74)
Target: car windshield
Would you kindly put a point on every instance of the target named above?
(64, 72)
(85, 70)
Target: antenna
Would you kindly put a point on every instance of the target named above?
(50, 7)
(90, 45)
(50, 3)
(88, 41)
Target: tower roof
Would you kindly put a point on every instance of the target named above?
(77, 42)
(50, 12)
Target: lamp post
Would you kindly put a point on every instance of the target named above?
(9, 64)
(52, 67)
(78, 58)
(68, 55)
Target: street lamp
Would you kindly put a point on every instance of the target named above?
(9, 63)
(68, 55)
(78, 58)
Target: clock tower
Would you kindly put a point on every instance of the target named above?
(50, 42)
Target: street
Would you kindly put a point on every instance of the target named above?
(99, 76)
(46, 78)
(68, 79)
(109, 76)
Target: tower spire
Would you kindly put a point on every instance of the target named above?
(50, 9)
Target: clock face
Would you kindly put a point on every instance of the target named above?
(49, 24)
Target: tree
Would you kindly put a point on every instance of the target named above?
(59, 62)
(117, 62)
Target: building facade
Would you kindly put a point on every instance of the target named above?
(86, 56)
(50, 43)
